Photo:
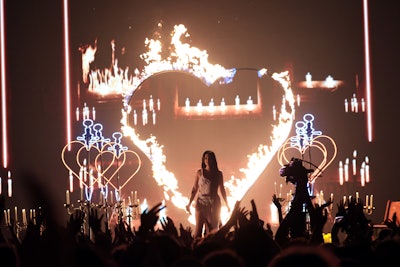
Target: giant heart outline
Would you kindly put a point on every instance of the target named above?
(236, 187)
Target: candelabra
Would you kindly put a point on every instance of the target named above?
(96, 163)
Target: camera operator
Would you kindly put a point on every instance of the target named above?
(294, 225)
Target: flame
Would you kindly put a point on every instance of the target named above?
(185, 58)
(88, 53)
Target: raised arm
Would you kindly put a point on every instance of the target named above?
(194, 190)
(222, 190)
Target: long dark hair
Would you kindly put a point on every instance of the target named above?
(212, 161)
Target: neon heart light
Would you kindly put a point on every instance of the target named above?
(93, 154)
(320, 149)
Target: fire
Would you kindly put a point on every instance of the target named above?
(185, 58)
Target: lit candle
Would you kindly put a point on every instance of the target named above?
(346, 170)
(8, 216)
(362, 104)
(24, 220)
(340, 172)
(84, 171)
(211, 104)
(91, 177)
(249, 103)
(99, 176)
(77, 114)
(134, 117)
(367, 170)
(346, 105)
(372, 201)
(237, 101)
(223, 105)
(135, 198)
(5, 217)
(81, 177)
(16, 214)
(309, 80)
(81, 195)
(357, 197)
(158, 104)
(280, 190)
(71, 182)
(9, 182)
(187, 104)
(274, 112)
(354, 162)
(144, 117)
(322, 198)
(199, 106)
(67, 197)
(94, 113)
(355, 105)
(151, 103)
(362, 174)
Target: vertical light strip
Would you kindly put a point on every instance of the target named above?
(367, 70)
(67, 73)
(3, 89)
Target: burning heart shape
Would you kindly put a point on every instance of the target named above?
(245, 135)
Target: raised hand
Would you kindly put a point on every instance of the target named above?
(186, 235)
(94, 220)
(75, 222)
(149, 218)
(168, 226)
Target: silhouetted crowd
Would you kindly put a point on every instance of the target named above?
(243, 241)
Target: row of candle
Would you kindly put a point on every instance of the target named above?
(344, 169)
(329, 81)
(145, 113)
(103, 198)
(369, 200)
(145, 117)
(354, 104)
(85, 113)
(7, 216)
(151, 104)
(211, 104)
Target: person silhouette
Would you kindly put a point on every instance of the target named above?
(208, 184)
